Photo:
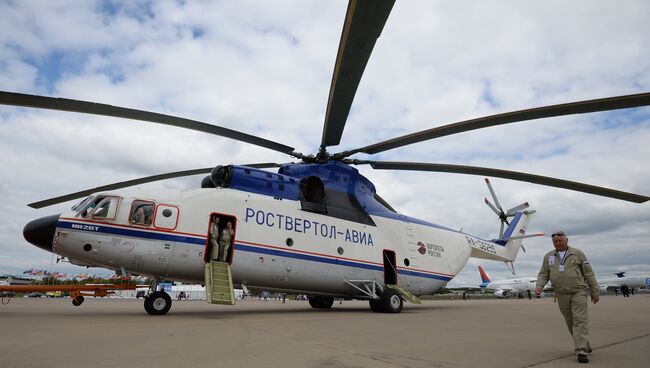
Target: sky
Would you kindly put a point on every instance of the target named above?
(264, 68)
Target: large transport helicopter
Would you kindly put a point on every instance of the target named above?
(315, 227)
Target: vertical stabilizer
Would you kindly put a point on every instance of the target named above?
(485, 279)
(514, 235)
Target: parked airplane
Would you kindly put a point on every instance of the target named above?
(612, 283)
(315, 227)
(507, 287)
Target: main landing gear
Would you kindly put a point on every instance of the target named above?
(386, 299)
(389, 302)
(321, 302)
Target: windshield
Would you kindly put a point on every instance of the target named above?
(81, 206)
(98, 207)
(106, 208)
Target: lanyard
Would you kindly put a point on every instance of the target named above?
(563, 258)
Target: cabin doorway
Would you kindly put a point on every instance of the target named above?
(390, 267)
(220, 244)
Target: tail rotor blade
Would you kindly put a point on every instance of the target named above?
(492, 207)
(494, 196)
(511, 212)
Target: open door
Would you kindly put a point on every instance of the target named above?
(218, 256)
(390, 267)
(220, 243)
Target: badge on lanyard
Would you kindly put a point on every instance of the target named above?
(561, 268)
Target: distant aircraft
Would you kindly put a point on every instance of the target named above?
(506, 287)
(632, 282)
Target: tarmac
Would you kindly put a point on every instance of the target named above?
(455, 333)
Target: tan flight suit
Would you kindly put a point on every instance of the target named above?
(225, 242)
(214, 240)
(569, 287)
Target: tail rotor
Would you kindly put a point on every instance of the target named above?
(503, 215)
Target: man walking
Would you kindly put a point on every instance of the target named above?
(570, 273)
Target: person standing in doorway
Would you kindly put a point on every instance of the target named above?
(227, 235)
(214, 238)
(570, 273)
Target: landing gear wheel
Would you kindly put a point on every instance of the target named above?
(77, 300)
(375, 305)
(158, 303)
(321, 302)
(391, 301)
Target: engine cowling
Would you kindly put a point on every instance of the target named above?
(500, 293)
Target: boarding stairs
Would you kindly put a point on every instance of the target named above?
(218, 283)
(373, 289)
(405, 294)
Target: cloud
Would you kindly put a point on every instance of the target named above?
(265, 68)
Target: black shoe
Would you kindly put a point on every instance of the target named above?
(582, 358)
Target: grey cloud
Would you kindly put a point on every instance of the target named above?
(265, 68)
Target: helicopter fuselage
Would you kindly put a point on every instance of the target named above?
(277, 245)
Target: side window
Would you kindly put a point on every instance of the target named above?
(141, 213)
(106, 208)
(166, 217)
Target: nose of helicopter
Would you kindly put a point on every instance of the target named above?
(40, 232)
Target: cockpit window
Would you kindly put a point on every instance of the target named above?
(141, 213)
(101, 207)
(87, 206)
(83, 204)
(106, 208)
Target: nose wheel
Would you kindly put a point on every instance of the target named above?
(158, 303)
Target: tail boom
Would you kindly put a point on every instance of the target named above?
(507, 248)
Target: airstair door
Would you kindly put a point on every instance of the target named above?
(218, 283)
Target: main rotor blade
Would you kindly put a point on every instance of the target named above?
(512, 175)
(364, 22)
(580, 107)
(129, 183)
(85, 107)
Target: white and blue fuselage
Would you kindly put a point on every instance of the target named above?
(313, 229)
(277, 245)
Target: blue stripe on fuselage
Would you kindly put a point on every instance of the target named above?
(95, 228)
(136, 233)
(341, 262)
(308, 257)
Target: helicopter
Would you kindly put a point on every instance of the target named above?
(315, 227)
